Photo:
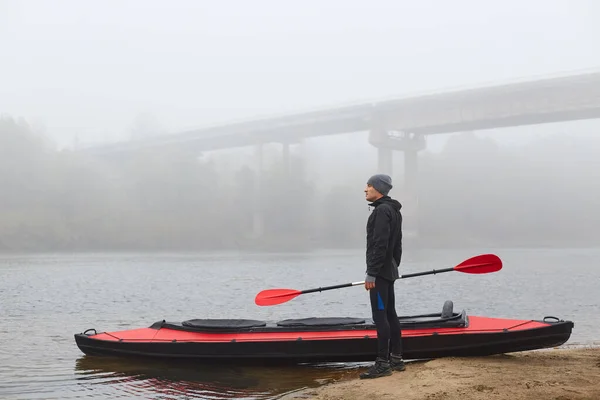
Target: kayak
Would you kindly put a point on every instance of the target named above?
(327, 339)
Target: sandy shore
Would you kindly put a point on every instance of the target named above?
(555, 374)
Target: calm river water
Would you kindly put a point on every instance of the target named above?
(45, 299)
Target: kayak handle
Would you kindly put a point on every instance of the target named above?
(551, 317)
(91, 329)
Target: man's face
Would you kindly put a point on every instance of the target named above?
(371, 194)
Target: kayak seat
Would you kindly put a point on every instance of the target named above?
(448, 309)
(223, 323)
(321, 321)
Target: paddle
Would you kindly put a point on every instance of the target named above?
(481, 264)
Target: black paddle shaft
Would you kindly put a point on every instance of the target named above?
(435, 271)
(328, 288)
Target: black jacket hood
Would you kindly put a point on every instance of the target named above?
(388, 200)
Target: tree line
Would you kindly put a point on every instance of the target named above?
(472, 193)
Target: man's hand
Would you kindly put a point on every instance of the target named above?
(369, 282)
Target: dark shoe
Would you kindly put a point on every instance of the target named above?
(380, 368)
(397, 363)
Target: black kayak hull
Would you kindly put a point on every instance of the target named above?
(352, 340)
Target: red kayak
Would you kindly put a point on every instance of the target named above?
(445, 334)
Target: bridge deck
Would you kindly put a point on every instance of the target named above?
(546, 100)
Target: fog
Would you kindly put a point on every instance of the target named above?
(76, 74)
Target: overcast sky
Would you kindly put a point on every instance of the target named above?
(90, 68)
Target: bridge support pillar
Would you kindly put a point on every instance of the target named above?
(385, 161)
(410, 144)
(286, 159)
(257, 214)
(411, 191)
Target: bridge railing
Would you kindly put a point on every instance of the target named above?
(422, 93)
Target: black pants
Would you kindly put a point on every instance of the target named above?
(383, 308)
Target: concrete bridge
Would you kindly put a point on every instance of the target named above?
(398, 124)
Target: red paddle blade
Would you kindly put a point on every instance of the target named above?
(271, 297)
(482, 264)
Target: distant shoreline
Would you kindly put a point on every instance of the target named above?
(266, 249)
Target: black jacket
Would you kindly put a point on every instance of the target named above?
(384, 239)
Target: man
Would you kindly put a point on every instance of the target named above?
(384, 251)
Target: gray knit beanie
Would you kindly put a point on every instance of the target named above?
(381, 182)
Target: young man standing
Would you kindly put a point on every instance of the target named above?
(384, 251)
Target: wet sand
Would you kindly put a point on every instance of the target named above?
(553, 374)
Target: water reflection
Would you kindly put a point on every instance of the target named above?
(190, 379)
